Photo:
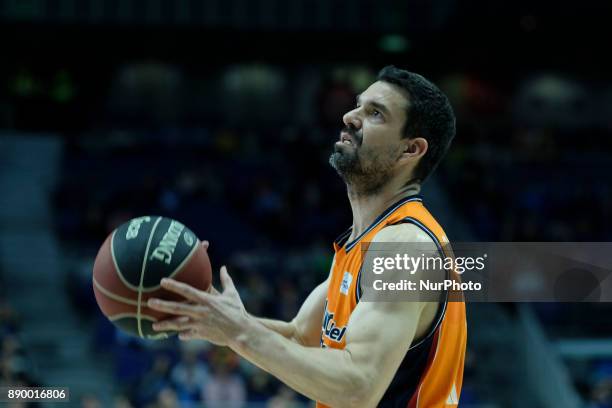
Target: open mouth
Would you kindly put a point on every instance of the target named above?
(345, 138)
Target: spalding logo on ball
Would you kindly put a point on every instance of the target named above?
(133, 260)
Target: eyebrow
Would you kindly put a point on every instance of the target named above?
(375, 104)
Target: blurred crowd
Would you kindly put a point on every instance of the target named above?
(17, 368)
(170, 374)
(532, 164)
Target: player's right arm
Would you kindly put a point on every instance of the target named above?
(305, 328)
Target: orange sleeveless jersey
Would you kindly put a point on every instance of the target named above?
(431, 372)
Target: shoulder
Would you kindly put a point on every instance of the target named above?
(402, 233)
(401, 251)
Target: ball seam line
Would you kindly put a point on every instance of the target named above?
(158, 336)
(114, 296)
(142, 272)
(122, 315)
(119, 273)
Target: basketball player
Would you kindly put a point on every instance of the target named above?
(366, 354)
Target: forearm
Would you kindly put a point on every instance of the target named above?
(285, 329)
(325, 375)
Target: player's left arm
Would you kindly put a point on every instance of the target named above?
(378, 336)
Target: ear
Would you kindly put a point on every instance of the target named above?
(415, 148)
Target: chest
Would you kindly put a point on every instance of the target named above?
(341, 299)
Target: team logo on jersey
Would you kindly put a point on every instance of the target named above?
(330, 330)
(346, 283)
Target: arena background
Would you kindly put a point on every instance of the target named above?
(222, 114)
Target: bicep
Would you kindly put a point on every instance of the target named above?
(381, 330)
(378, 337)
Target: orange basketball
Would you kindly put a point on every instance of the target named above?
(133, 260)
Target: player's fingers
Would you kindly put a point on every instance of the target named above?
(176, 324)
(176, 308)
(186, 334)
(185, 290)
(226, 280)
(205, 244)
(212, 290)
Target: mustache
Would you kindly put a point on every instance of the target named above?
(355, 134)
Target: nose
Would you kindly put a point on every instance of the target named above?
(351, 119)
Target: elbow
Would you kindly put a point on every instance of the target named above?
(360, 387)
(362, 391)
(355, 392)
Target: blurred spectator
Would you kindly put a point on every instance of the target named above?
(166, 398)
(261, 385)
(155, 382)
(8, 318)
(285, 398)
(225, 389)
(601, 394)
(147, 92)
(90, 401)
(122, 401)
(189, 375)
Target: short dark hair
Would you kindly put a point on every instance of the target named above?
(429, 115)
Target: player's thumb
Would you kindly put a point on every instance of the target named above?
(226, 281)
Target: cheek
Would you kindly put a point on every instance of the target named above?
(380, 149)
(372, 136)
(376, 138)
(374, 154)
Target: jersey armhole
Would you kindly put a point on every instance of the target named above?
(443, 302)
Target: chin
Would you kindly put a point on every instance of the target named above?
(341, 162)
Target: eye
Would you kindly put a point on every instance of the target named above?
(376, 113)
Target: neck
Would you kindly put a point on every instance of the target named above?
(366, 207)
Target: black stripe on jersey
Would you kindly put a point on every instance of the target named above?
(406, 380)
(408, 375)
(379, 219)
(382, 217)
(443, 301)
(341, 240)
(411, 220)
(414, 221)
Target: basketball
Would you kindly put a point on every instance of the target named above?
(131, 263)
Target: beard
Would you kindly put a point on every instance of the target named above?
(364, 170)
